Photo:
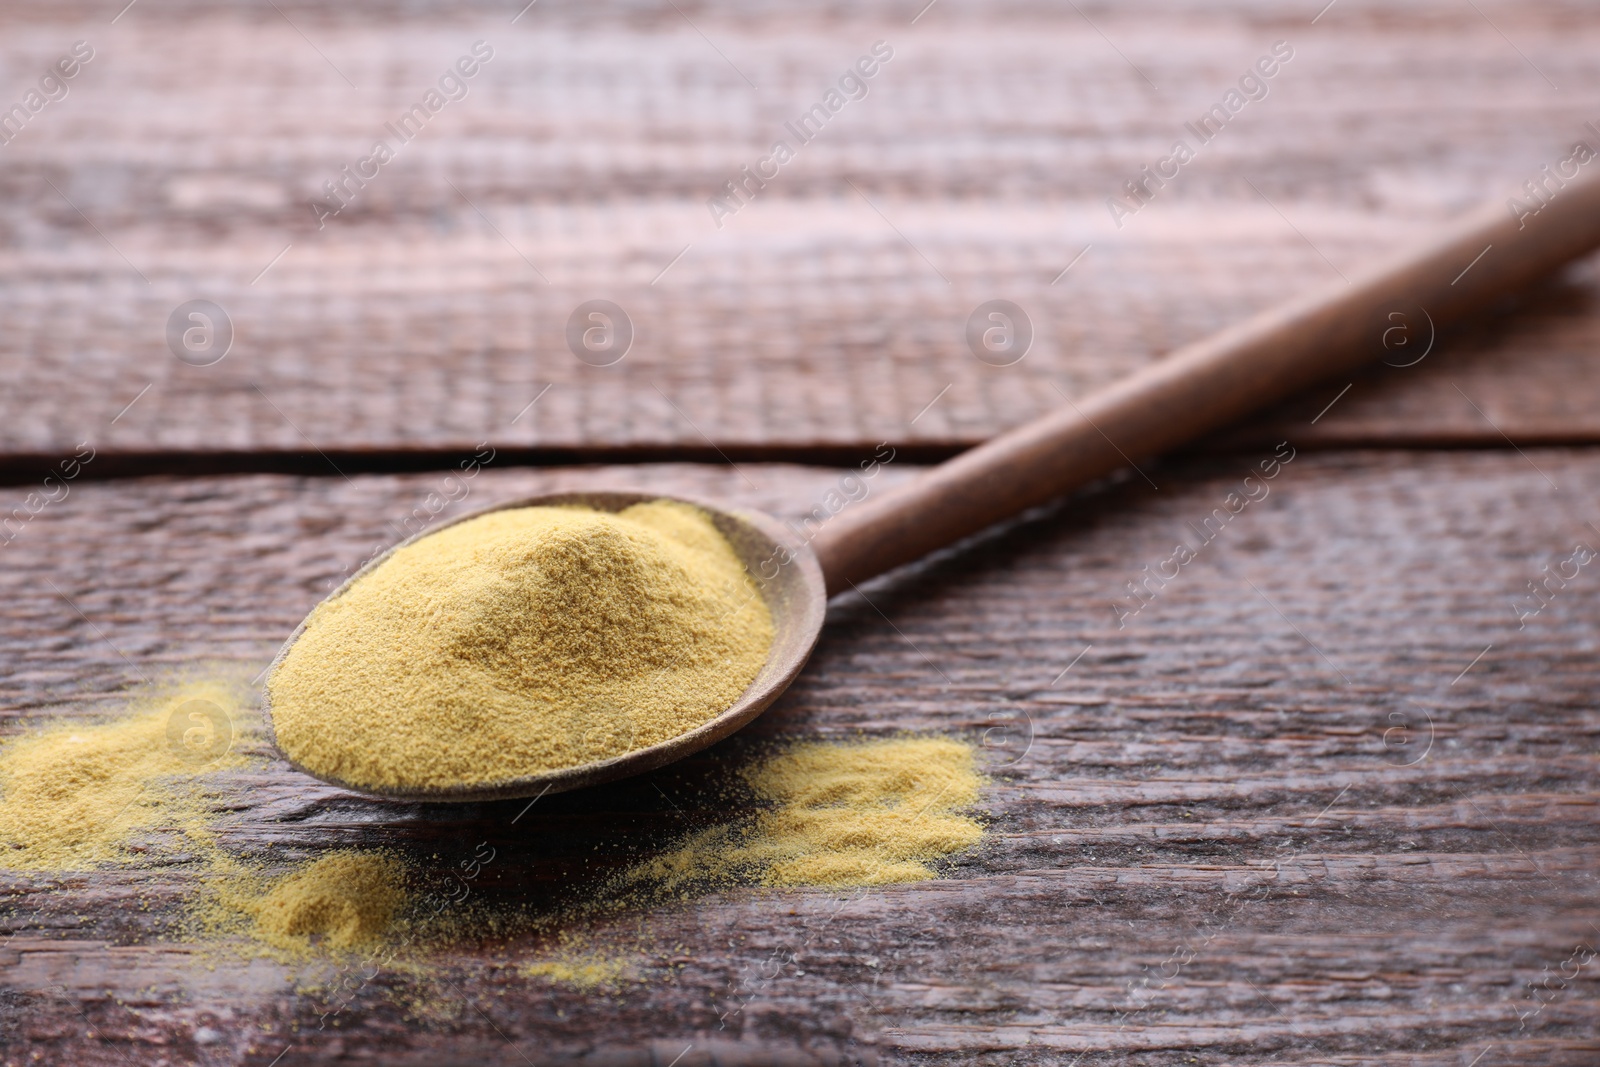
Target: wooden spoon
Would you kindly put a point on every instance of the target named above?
(1196, 389)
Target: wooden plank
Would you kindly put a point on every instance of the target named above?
(831, 310)
(1217, 845)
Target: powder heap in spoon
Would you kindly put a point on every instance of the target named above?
(522, 642)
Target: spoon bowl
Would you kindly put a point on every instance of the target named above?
(786, 573)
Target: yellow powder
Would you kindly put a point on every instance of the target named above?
(78, 796)
(520, 642)
(344, 900)
(866, 814)
(852, 814)
(584, 973)
(73, 795)
(837, 814)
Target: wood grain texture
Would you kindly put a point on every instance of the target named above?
(831, 310)
(1292, 811)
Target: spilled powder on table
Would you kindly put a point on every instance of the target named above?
(77, 795)
(521, 642)
(872, 813)
(585, 972)
(122, 794)
(146, 788)
(835, 814)
(342, 901)
(838, 814)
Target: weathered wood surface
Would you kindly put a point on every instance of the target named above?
(431, 312)
(1287, 814)
(1292, 812)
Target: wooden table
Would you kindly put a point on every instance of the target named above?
(1329, 797)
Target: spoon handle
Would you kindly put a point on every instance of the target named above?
(1209, 383)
